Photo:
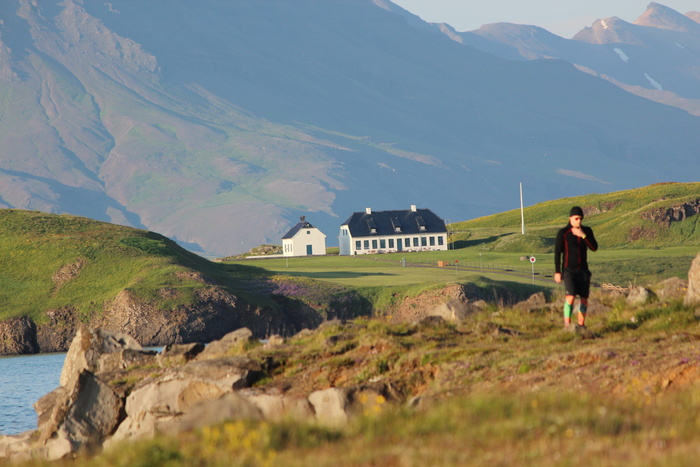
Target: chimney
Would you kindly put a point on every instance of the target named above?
(368, 210)
(413, 208)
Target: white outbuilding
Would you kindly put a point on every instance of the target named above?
(304, 240)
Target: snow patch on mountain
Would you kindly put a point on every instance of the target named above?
(623, 56)
(653, 82)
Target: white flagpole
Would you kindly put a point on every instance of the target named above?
(522, 212)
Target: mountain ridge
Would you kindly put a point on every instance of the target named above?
(220, 139)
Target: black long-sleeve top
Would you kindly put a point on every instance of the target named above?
(570, 251)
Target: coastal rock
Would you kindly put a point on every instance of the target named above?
(228, 372)
(214, 313)
(17, 448)
(692, 296)
(178, 354)
(57, 333)
(229, 407)
(77, 417)
(278, 407)
(336, 406)
(142, 425)
(18, 336)
(171, 396)
(88, 347)
(94, 415)
(331, 406)
(230, 343)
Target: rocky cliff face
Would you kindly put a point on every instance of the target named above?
(215, 313)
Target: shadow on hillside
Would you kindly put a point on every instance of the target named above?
(469, 243)
(336, 274)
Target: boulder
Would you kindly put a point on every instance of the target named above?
(454, 310)
(94, 415)
(232, 343)
(536, 302)
(16, 448)
(143, 425)
(229, 407)
(331, 406)
(692, 296)
(87, 349)
(178, 354)
(673, 288)
(334, 407)
(124, 359)
(229, 372)
(639, 296)
(168, 395)
(277, 407)
(51, 411)
(76, 417)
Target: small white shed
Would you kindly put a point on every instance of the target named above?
(304, 240)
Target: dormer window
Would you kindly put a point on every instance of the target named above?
(372, 226)
(421, 224)
(396, 225)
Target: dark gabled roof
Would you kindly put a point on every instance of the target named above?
(386, 222)
(297, 228)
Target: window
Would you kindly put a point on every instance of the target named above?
(372, 226)
(432, 241)
(441, 241)
(308, 232)
(358, 245)
(391, 243)
(415, 241)
(366, 244)
(382, 243)
(374, 244)
(423, 241)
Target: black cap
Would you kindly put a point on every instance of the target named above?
(576, 211)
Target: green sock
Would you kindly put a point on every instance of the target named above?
(567, 310)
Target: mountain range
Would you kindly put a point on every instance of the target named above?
(219, 123)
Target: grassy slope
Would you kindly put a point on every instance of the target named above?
(500, 388)
(40, 250)
(36, 246)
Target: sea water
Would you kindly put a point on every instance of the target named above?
(23, 380)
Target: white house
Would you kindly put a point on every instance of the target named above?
(392, 231)
(304, 240)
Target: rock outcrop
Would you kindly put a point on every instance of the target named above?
(692, 296)
(18, 336)
(112, 390)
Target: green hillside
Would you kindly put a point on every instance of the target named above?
(60, 261)
(623, 219)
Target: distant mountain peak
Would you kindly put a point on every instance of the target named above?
(608, 31)
(663, 17)
(694, 15)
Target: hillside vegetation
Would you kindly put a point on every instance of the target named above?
(501, 387)
(60, 261)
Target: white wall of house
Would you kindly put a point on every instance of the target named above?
(306, 242)
(390, 243)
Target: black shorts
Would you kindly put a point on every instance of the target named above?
(577, 282)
